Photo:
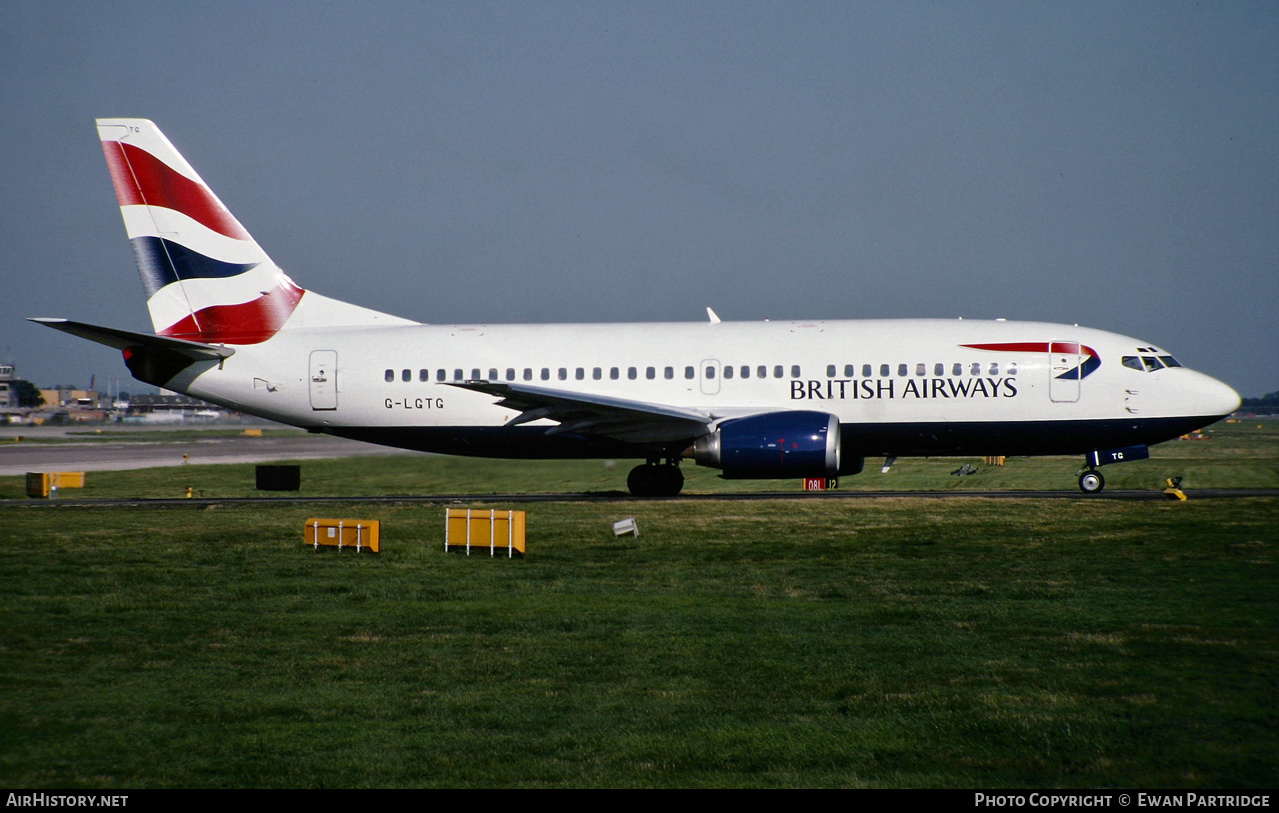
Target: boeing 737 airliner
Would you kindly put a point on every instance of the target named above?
(772, 399)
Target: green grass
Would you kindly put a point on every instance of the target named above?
(1234, 455)
(890, 642)
(886, 642)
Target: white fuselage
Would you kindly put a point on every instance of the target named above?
(871, 374)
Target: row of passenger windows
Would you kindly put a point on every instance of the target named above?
(562, 374)
(939, 369)
(690, 372)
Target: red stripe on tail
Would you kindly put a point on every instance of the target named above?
(246, 323)
(141, 178)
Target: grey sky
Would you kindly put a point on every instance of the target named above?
(1108, 164)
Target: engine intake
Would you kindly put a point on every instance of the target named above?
(773, 445)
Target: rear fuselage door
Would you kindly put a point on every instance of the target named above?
(324, 379)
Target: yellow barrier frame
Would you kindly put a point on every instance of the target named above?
(339, 532)
(469, 524)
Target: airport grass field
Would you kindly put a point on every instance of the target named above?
(1243, 454)
(894, 641)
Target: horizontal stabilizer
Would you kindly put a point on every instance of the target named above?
(125, 339)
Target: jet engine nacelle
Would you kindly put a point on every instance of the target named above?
(773, 445)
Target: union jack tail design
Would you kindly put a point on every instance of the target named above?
(206, 279)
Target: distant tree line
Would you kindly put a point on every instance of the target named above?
(1265, 405)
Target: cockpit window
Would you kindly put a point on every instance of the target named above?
(1148, 364)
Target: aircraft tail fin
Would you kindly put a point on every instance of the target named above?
(205, 277)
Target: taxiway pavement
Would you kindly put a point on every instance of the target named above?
(74, 452)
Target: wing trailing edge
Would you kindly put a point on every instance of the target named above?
(619, 418)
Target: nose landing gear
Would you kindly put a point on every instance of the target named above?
(1091, 481)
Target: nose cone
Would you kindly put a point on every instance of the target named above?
(1215, 397)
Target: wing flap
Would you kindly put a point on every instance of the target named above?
(619, 418)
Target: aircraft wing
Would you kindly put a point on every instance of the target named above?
(631, 421)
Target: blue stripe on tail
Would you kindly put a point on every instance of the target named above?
(163, 262)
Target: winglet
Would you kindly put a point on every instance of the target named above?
(715, 320)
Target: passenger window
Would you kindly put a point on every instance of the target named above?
(939, 369)
(423, 375)
(612, 373)
(830, 370)
(902, 369)
(921, 369)
(562, 374)
(958, 369)
(728, 371)
(994, 368)
(528, 374)
(710, 371)
(631, 373)
(794, 371)
(669, 372)
(457, 375)
(690, 373)
(1012, 368)
(849, 370)
(510, 373)
(746, 371)
(761, 371)
(441, 375)
(883, 369)
(650, 373)
(778, 371)
(406, 375)
(975, 369)
(492, 374)
(597, 373)
(866, 370)
(580, 374)
(546, 374)
(475, 373)
(390, 375)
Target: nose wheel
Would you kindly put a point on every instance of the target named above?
(1091, 481)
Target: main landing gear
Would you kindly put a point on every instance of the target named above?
(1091, 481)
(656, 479)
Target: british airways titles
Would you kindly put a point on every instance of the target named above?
(846, 389)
